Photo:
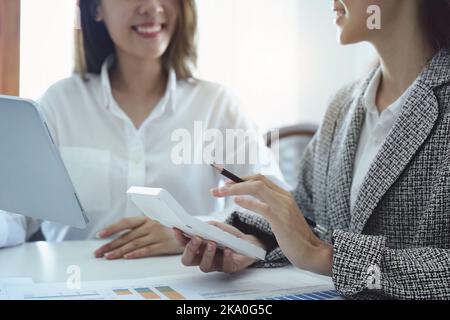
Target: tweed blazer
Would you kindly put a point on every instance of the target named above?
(396, 241)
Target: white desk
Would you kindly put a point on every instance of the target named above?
(47, 262)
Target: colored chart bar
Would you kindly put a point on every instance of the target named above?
(147, 293)
(323, 295)
(170, 293)
(122, 292)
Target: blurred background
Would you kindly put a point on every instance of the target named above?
(280, 57)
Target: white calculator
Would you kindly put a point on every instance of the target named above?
(159, 205)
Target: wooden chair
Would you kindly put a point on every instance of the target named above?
(291, 145)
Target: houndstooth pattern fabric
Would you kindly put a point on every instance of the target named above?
(396, 241)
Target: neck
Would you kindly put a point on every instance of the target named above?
(138, 77)
(403, 53)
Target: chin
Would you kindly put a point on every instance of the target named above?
(150, 53)
(344, 40)
(345, 37)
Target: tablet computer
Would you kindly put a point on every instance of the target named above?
(33, 179)
(159, 205)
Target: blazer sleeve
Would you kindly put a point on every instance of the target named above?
(256, 225)
(364, 266)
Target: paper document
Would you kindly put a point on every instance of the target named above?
(12, 282)
(258, 284)
(134, 289)
(253, 284)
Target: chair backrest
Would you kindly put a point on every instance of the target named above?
(37, 236)
(291, 146)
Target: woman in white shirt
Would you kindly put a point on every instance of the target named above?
(124, 117)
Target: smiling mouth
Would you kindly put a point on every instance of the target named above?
(149, 30)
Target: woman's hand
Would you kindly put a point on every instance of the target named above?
(145, 238)
(280, 209)
(209, 258)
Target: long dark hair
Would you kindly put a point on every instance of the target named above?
(436, 18)
(94, 44)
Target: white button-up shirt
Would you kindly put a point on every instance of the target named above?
(374, 132)
(105, 154)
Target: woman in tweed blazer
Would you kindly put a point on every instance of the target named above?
(394, 241)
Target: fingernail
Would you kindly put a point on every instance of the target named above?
(210, 247)
(227, 253)
(100, 234)
(214, 191)
(127, 256)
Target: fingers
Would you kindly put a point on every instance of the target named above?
(124, 224)
(264, 196)
(128, 247)
(158, 242)
(259, 177)
(228, 264)
(257, 189)
(141, 253)
(227, 228)
(209, 258)
(181, 238)
(267, 181)
(191, 256)
(121, 241)
(148, 251)
(206, 264)
(254, 205)
(204, 255)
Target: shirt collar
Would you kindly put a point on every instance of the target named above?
(106, 84)
(369, 98)
(167, 102)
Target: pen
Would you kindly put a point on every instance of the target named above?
(318, 228)
(227, 173)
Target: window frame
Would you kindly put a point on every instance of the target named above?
(9, 47)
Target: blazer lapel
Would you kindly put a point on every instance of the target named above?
(341, 166)
(414, 125)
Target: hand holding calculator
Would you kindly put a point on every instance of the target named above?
(159, 205)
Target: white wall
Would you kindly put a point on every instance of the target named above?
(46, 44)
(279, 56)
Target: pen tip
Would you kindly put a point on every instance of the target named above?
(216, 166)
